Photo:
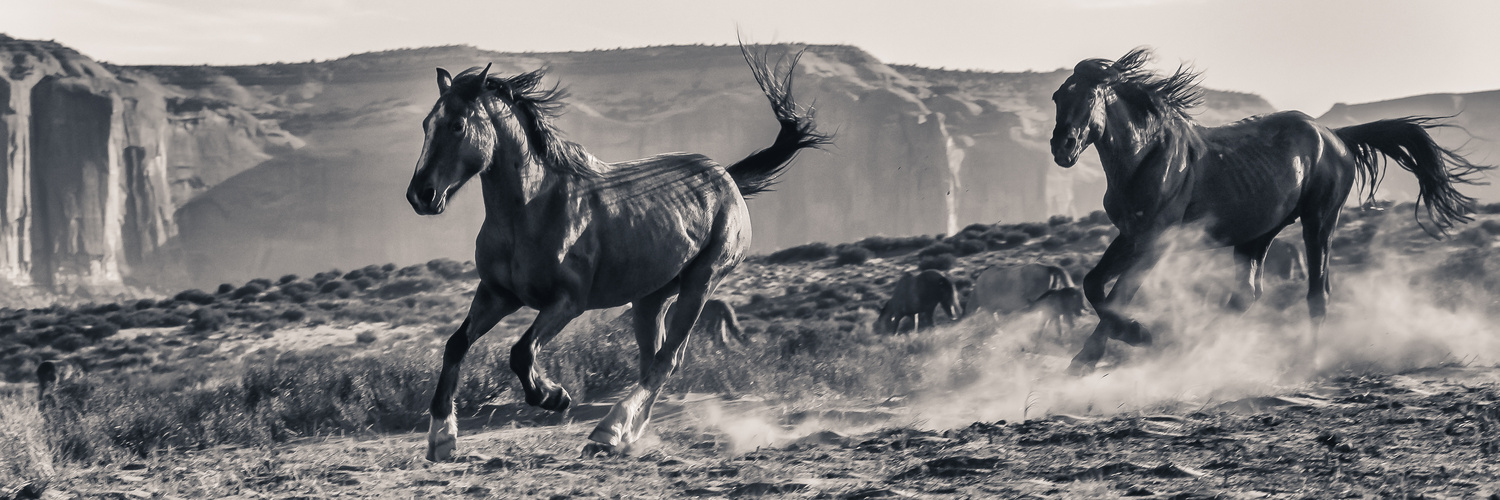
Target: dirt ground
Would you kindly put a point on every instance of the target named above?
(1433, 433)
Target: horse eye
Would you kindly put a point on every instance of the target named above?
(456, 126)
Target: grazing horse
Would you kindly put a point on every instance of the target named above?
(1284, 262)
(565, 232)
(1242, 182)
(1011, 289)
(48, 375)
(915, 296)
(1060, 307)
(718, 322)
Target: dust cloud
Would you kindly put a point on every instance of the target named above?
(1384, 318)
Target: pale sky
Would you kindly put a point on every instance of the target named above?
(1299, 54)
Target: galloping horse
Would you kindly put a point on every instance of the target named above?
(565, 232)
(1242, 182)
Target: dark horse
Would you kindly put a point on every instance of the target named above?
(1242, 182)
(915, 296)
(565, 232)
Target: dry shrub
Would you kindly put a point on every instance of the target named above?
(852, 255)
(23, 442)
(800, 253)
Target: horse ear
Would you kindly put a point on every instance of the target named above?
(444, 81)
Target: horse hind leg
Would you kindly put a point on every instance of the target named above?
(1249, 260)
(486, 311)
(1317, 233)
(626, 421)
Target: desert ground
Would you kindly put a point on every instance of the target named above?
(317, 387)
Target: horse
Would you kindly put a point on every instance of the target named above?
(1060, 307)
(565, 232)
(48, 374)
(718, 322)
(1284, 262)
(915, 296)
(1241, 183)
(1011, 289)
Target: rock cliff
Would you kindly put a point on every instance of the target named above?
(92, 158)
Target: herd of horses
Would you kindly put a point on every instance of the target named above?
(565, 232)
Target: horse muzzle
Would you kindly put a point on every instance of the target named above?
(427, 200)
(1065, 148)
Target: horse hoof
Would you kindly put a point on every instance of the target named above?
(1079, 369)
(601, 450)
(441, 452)
(551, 400)
(1135, 335)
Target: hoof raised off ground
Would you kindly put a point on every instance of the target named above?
(556, 399)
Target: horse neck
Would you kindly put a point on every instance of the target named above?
(512, 191)
(1127, 140)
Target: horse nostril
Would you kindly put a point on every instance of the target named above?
(428, 195)
(1070, 142)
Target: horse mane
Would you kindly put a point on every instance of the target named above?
(535, 107)
(1144, 89)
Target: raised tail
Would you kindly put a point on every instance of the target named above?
(756, 173)
(1438, 170)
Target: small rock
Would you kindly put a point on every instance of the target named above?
(873, 493)
(133, 466)
(761, 489)
(1137, 491)
(722, 472)
(951, 467)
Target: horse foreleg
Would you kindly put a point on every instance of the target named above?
(1125, 259)
(486, 311)
(541, 391)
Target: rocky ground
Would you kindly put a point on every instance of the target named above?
(1404, 416)
(1433, 433)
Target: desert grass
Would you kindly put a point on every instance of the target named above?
(25, 442)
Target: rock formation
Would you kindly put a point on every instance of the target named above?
(192, 175)
(87, 191)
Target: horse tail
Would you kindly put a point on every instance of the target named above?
(1438, 169)
(756, 173)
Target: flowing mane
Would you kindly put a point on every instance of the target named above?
(535, 107)
(1143, 89)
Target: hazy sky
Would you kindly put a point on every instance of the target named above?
(1299, 54)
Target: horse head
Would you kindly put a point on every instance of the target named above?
(1081, 104)
(459, 143)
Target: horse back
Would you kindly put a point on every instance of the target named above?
(1251, 175)
(1013, 288)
